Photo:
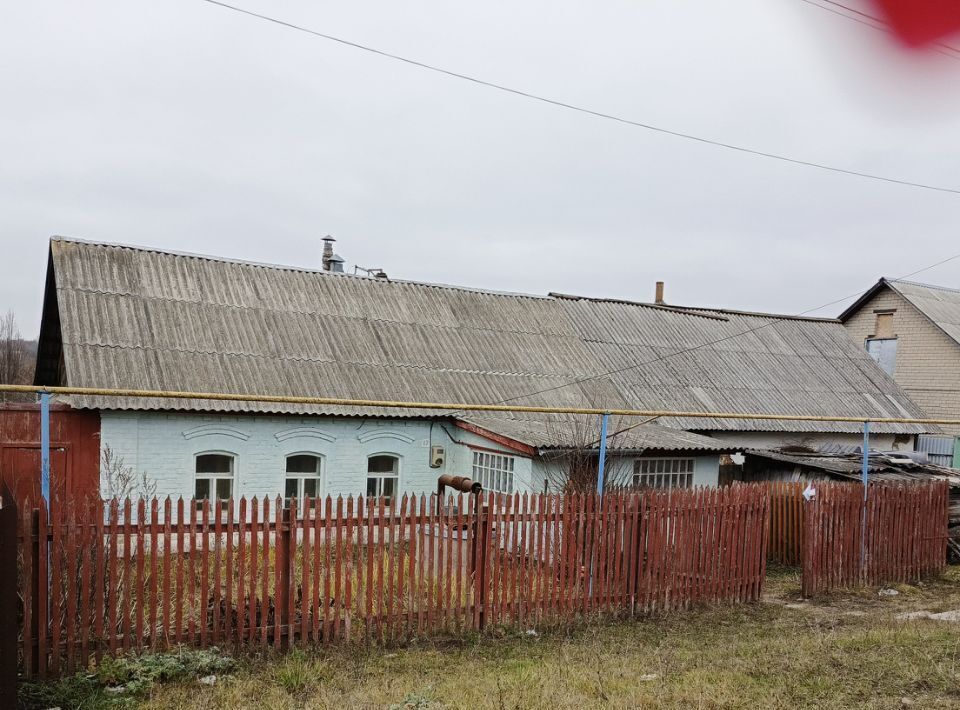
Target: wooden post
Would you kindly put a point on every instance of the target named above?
(284, 562)
(8, 598)
(481, 544)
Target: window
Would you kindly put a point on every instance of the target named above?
(383, 473)
(214, 479)
(493, 471)
(303, 477)
(884, 351)
(663, 473)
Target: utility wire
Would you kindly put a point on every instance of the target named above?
(876, 23)
(583, 109)
(660, 358)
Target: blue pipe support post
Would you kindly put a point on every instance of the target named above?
(45, 448)
(864, 473)
(602, 465)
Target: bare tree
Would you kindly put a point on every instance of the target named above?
(120, 481)
(573, 465)
(15, 365)
(13, 351)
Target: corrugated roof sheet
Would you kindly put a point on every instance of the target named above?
(145, 319)
(563, 432)
(939, 304)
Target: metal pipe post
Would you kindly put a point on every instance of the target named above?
(601, 466)
(45, 447)
(863, 516)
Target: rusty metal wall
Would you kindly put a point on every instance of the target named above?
(74, 450)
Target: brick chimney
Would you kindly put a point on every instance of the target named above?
(658, 298)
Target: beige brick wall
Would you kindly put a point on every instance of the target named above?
(928, 362)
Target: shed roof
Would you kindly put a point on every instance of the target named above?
(567, 432)
(130, 317)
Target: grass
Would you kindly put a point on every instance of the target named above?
(844, 650)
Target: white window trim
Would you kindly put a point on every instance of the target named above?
(492, 477)
(301, 477)
(214, 477)
(664, 479)
(397, 476)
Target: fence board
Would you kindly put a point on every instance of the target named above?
(898, 534)
(128, 576)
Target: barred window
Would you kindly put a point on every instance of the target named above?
(493, 471)
(663, 473)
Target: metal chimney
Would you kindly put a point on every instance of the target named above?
(328, 252)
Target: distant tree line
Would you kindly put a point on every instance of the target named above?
(17, 358)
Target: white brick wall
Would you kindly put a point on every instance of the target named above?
(164, 445)
(928, 362)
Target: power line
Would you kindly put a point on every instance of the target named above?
(876, 23)
(583, 109)
(684, 351)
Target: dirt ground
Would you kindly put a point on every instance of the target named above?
(848, 650)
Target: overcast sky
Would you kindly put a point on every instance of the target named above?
(181, 125)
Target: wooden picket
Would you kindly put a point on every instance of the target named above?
(258, 573)
(896, 533)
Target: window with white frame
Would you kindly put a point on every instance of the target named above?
(663, 473)
(383, 475)
(303, 477)
(214, 479)
(493, 471)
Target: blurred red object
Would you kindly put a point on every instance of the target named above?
(922, 22)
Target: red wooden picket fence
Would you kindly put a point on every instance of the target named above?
(109, 577)
(898, 534)
(786, 522)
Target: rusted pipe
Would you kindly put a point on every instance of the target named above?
(461, 484)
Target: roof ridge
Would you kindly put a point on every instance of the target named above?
(761, 314)
(922, 285)
(298, 269)
(643, 304)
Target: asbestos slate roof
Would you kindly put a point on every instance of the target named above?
(941, 305)
(625, 434)
(145, 319)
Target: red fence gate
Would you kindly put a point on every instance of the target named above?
(786, 522)
(897, 533)
(254, 574)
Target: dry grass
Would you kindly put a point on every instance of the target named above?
(846, 650)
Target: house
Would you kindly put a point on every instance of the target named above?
(127, 317)
(912, 330)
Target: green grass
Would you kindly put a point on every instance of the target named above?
(842, 651)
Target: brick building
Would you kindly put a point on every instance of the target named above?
(133, 318)
(913, 332)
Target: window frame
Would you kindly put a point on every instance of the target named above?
(674, 479)
(488, 474)
(213, 478)
(879, 357)
(380, 476)
(317, 476)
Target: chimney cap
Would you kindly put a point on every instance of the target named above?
(328, 238)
